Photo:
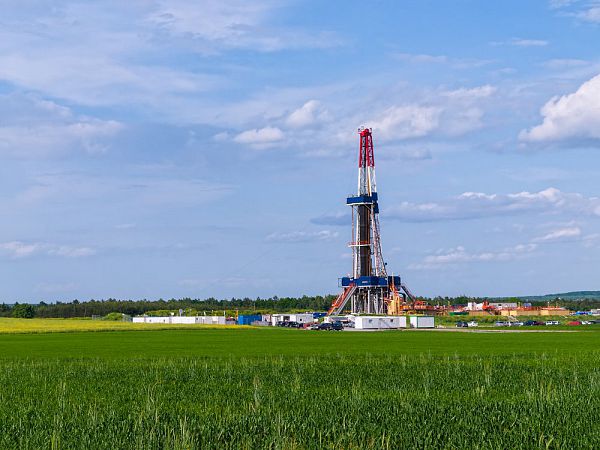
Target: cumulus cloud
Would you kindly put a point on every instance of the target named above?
(18, 249)
(474, 205)
(569, 117)
(308, 114)
(446, 112)
(478, 205)
(303, 236)
(460, 255)
(406, 121)
(260, 136)
(591, 14)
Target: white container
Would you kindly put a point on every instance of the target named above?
(422, 322)
(182, 320)
(299, 318)
(379, 322)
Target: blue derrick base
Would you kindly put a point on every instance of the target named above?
(370, 281)
(364, 200)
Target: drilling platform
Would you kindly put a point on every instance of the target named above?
(370, 290)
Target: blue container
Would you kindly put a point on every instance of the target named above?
(247, 320)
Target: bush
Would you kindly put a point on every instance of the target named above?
(24, 311)
(115, 316)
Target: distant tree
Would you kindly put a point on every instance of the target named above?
(23, 311)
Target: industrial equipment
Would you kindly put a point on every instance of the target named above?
(370, 290)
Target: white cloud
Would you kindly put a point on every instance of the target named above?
(107, 53)
(125, 226)
(337, 218)
(518, 42)
(415, 154)
(228, 22)
(460, 255)
(528, 42)
(18, 249)
(217, 24)
(421, 58)
(406, 121)
(474, 205)
(260, 136)
(65, 191)
(221, 137)
(444, 112)
(471, 93)
(569, 117)
(303, 236)
(31, 127)
(565, 63)
(307, 114)
(454, 63)
(557, 4)
(560, 234)
(587, 11)
(591, 14)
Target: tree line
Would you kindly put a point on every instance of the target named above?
(274, 304)
(92, 308)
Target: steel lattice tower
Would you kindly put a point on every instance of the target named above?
(370, 289)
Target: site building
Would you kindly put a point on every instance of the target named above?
(298, 318)
(199, 320)
(379, 322)
(422, 322)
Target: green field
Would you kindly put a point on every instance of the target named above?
(280, 388)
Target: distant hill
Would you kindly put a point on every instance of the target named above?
(567, 296)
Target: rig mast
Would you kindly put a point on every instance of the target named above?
(369, 290)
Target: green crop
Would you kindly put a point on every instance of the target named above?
(299, 389)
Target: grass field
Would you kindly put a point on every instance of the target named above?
(279, 388)
(10, 325)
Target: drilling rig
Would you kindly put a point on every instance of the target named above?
(370, 290)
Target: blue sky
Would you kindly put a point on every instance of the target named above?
(174, 148)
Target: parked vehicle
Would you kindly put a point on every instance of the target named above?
(314, 326)
(462, 324)
(586, 322)
(502, 324)
(472, 324)
(337, 326)
(516, 324)
(552, 322)
(574, 322)
(533, 323)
